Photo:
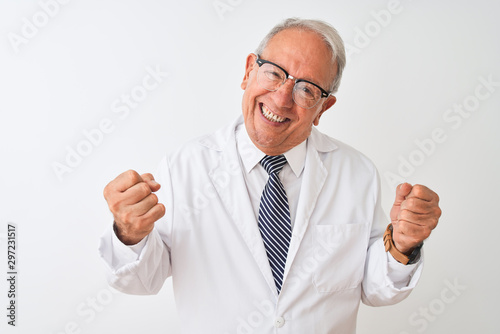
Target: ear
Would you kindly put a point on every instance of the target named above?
(330, 101)
(249, 66)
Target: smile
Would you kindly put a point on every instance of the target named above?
(270, 115)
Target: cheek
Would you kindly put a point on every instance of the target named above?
(305, 125)
(250, 97)
(308, 117)
(248, 102)
(315, 116)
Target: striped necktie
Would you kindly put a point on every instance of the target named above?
(274, 218)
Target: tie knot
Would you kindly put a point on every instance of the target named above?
(273, 164)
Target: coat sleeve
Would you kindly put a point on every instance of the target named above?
(386, 281)
(143, 268)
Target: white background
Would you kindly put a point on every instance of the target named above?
(404, 73)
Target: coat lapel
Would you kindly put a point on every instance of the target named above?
(234, 196)
(313, 178)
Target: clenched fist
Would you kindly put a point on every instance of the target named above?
(134, 205)
(414, 215)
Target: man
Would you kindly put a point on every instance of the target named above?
(259, 244)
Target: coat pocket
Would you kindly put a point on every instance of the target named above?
(341, 251)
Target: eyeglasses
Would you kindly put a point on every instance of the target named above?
(271, 77)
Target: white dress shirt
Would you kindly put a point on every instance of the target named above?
(256, 176)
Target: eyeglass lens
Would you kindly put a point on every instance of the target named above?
(271, 77)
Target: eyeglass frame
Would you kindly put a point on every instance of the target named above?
(261, 62)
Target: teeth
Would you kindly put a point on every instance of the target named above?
(270, 116)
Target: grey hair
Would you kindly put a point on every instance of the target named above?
(330, 36)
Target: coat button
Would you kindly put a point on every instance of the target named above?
(279, 322)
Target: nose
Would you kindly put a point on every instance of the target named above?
(284, 95)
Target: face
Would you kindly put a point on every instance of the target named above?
(304, 55)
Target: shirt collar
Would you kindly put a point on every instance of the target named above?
(251, 155)
(296, 158)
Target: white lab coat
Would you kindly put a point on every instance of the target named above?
(209, 242)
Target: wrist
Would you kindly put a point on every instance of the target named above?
(402, 249)
(124, 237)
(407, 257)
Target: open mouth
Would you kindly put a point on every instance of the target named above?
(270, 115)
